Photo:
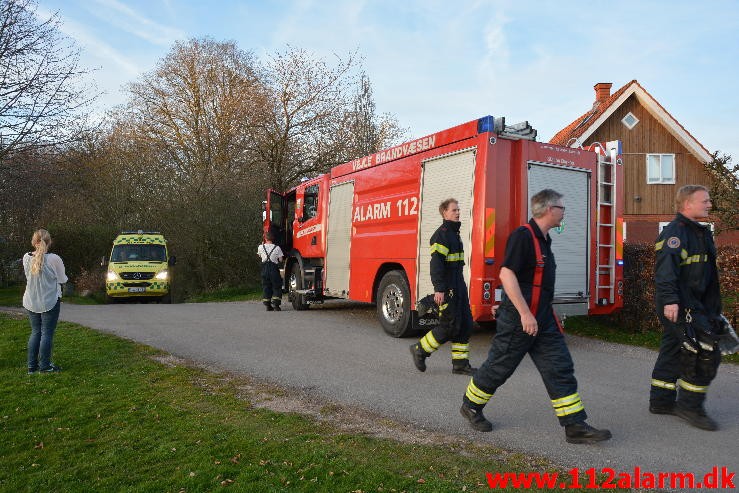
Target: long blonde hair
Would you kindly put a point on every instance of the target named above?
(41, 241)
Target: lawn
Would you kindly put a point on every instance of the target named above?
(118, 418)
(12, 296)
(601, 328)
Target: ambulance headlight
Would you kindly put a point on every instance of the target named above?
(112, 276)
(162, 276)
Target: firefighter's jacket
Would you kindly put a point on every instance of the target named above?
(447, 258)
(685, 270)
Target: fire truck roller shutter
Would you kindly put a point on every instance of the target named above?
(448, 176)
(339, 237)
(571, 243)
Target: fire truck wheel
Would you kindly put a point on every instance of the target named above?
(393, 304)
(295, 283)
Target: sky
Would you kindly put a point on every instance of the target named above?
(436, 63)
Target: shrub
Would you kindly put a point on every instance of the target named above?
(638, 314)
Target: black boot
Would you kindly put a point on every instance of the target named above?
(662, 408)
(476, 418)
(276, 305)
(268, 305)
(419, 356)
(696, 417)
(462, 367)
(584, 433)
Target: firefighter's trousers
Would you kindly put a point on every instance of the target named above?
(677, 368)
(455, 324)
(549, 353)
(271, 284)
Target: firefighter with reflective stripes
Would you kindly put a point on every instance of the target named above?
(526, 323)
(450, 295)
(271, 255)
(688, 303)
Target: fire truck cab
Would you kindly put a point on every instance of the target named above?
(362, 230)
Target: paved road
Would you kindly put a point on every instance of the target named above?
(340, 351)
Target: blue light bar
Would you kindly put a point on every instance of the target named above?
(485, 124)
(619, 262)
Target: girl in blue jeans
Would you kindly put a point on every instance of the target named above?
(44, 277)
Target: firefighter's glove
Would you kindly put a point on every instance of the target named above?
(426, 305)
(728, 342)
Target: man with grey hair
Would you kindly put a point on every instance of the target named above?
(688, 302)
(526, 323)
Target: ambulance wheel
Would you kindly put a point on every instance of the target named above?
(296, 283)
(110, 300)
(394, 304)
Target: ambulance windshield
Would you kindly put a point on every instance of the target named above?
(134, 253)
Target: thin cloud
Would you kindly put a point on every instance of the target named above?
(132, 22)
(92, 44)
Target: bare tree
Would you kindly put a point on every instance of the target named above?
(304, 131)
(368, 131)
(40, 80)
(193, 111)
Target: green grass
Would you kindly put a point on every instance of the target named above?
(117, 420)
(13, 296)
(227, 294)
(601, 328)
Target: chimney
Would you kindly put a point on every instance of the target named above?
(602, 91)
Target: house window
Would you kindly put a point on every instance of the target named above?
(630, 120)
(661, 168)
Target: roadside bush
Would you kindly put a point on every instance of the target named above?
(89, 282)
(638, 314)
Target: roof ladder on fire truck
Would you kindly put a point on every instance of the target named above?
(606, 227)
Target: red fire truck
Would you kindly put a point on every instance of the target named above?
(361, 231)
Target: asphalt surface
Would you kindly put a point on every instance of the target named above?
(340, 352)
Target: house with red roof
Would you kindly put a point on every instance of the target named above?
(659, 155)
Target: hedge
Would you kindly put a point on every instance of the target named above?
(639, 315)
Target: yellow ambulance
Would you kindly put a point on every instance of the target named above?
(139, 267)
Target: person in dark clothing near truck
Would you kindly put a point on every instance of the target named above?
(526, 323)
(271, 256)
(688, 301)
(450, 295)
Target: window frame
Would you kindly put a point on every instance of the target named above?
(636, 120)
(312, 191)
(661, 180)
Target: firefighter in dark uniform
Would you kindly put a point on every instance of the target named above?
(688, 303)
(528, 278)
(271, 256)
(450, 295)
